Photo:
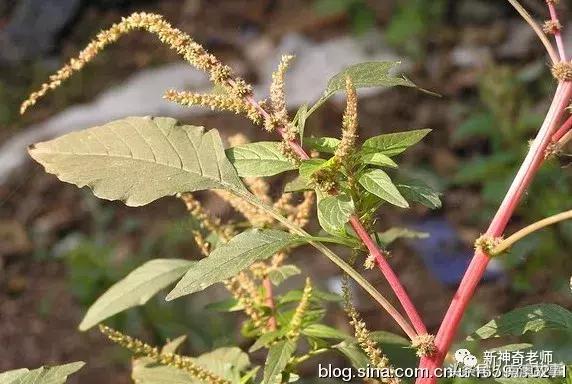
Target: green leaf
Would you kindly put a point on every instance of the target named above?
(393, 234)
(10, 377)
(378, 182)
(264, 158)
(367, 75)
(278, 275)
(300, 120)
(324, 332)
(229, 305)
(392, 144)
(135, 289)
(363, 75)
(421, 194)
(379, 159)
(322, 144)
(317, 295)
(277, 359)
(173, 345)
(139, 159)
(226, 362)
(334, 212)
(44, 375)
(298, 184)
(523, 380)
(532, 318)
(265, 340)
(307, 167)
(353, 352)
(229, 259)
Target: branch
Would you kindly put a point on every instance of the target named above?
(557, 32)
(534, 25)
(512, 239)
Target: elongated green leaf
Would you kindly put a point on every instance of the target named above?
(259, 159)
(298, 184)
(378, 182)
(229, 259)
(266, 339)
(229, 305)
(277, 359)
(323, 331)
(307, 167)
(322, 144)
(139, 159)
(334, 212)
(278, 275)
(421, 194)
(135, 289)
(392, 144)
(300, 120)
(532, 318)
(393, 234)
(367, 75)
(44, 375)
(379, 159)
(363, 75)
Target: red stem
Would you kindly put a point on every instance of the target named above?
(390, 275)
(562, 130)
(557, 33)
(479, 262)
(269, 301)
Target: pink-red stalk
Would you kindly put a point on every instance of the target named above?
(480, 261)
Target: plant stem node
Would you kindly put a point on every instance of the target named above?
(425, 345)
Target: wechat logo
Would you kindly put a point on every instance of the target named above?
(463, 356)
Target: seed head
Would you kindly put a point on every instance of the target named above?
(562, 71)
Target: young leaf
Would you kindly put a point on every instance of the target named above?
(278, 275)
(379, 159)
(421, 194)
(173, 345)
(367, 75)
(307, 167)
(259, 159)
(44, 375)
(265, 340)
(229, 259)
(324, 332)
(378, 182)
(363, 75)
(298, 184)
(334, 212)
(135, 289)
(277, 359)
(392, 144)
(300, 120)
(393, 234)
(322, 144)
(532, 318)
(229, 305)
(139, 159)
